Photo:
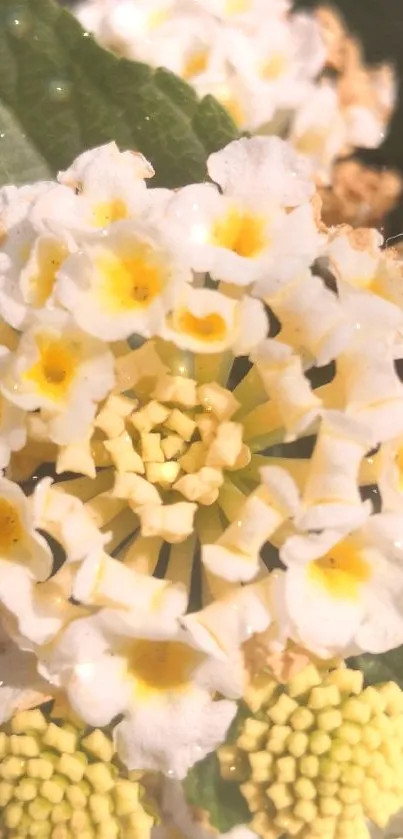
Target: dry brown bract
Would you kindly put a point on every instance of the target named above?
(360, 196)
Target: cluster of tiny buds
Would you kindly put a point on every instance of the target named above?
(320, 756)
(59, 781)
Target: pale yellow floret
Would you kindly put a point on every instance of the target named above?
(207, 427)
(77, 795)
(309, 766)
(24, 745)
(6, 792)
(26, 789)
(39, 768)
(183, 425)
(286, 769)
(151, 450)
(123, 454)
(100, 807)
(97, 744)
(280, 795)
(100, 776)
(54, 789)
(218, 399)
(260, 691)
(194, 458)
(297, 743)
(262, 766)
(202, 487)
(164, 474)
(227, 445)
(110, 423)
(39, 809)
(172, 446)
(76, 457)
(323, 696)
(348, 681)
(329, 720)
(177, 389)
(61, 812)
(23, 721)
(302, 719)
(11, 768)
(173, 522)
(135, 489)
(3, 744)
(305, 680)
(125, 796)
(60, 738)
(254, 795)
(253, 735)
(72, 766)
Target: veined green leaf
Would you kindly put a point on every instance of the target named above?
(61, 93)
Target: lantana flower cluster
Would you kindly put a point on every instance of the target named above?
(201, 441)
(266, 63)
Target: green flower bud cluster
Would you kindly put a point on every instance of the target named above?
(59, 780)
(320, 756)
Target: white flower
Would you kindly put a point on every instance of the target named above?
(117, 662)
(13, 432)
(235, 554)
(277, 65)
(20, 544)
(102, 186)
(123, 282)
(27, 269)
(289, 390)
(262, 166)
(207, 321)
(355, 254)
(371, 388)
(62, 371)
(343, 591)
(66, 518)
(331, 496)
(243, 239)
(318, 129)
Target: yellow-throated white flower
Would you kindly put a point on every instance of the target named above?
(60, 370)
(342, 590)
(123, 282)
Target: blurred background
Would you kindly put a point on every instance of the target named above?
(378, 25)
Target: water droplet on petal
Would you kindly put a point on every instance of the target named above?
(60, 89)
(18, 21)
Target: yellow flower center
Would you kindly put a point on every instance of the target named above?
(54, 371)
(236, 7)
(274, 67)
(11, 529)
(130, 283)
(341, 571)
(50, 255)
(158, 666)
(195, 64)
(212, 327)
(109, 211)
(242, 233)
(311, 142)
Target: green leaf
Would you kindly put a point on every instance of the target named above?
(60, 93)
(387, 667)
(214, 125)
(205, 789)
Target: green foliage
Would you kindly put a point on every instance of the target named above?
(206, 789)
(387, 667)
(60, 93)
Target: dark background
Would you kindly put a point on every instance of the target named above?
(379, 26)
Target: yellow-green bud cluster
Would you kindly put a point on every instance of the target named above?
(59, 780)
(319, 756)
